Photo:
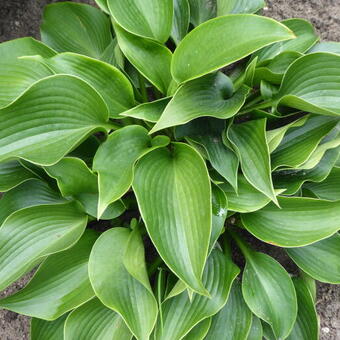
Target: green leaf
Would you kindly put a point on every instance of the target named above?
(300, 142)
(208, 96)
(12, 173)
(256, 331)
(110, 83)
(201, 11)
(199, 331)
(181, 20)
(149, 19)
(94, 321)
(50, 119)
(27, 46)
(233, 321)
(117, 288)
(29, 234)
(30, 193)
(180, 314)
(326, 46)
(115, 160)
(208, 133)
(329, 188)
(174, 197)
(142, 53)
(327, 252)
(305, 34)
(307, 324)
(51, 330)
(60, 284)
(238, 6)
(150, 112)
(17, 75)
(249, 140)
(247, 199)
(208, 48)
(76, 180)
(299, 222)
(275, 297)
(79, 28)
(312, 84)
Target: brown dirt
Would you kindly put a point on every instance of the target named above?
(20, 18)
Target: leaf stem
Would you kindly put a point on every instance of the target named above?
(154, 265)
(246, 251)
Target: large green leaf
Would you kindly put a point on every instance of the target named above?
(201, 11)
(119, 289)
(251, 145)
(76, 180)
(115, 159)
(174, 197)
(51, 330)
(256, 331)
(299, 222)
(208, 47)
(275, 298)
(111, 83)
(208, 96)
(149, 19)
(328, 189)
(12, 173)
(233, 321)
(208, 133)
(79, 28)
(49, 119)
(16, 75)
(94, 321)
(60, 284)
(238, 6)
(28, 194)
(180, 314)
(307, 324)
(320, 260)
(29, 234)
(312, 84)
(300, 142)
(27, 46)
(305, 34)
(142, 53)
(181, 20)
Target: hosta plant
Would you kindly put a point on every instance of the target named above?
(149, 150)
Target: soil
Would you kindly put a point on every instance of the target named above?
(19, 18)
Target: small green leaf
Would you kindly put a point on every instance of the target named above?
(305, 34)
(299, 222)
(60, 284)
(180, 314)
(312, 84)
(117, 288)
(174, 197)
(256, 331)
(208, 48)
(326, 46)
(49, 119)
(238, 6)
(181, 20)
(269, 291)
(94, 321)
(327, 252)
(115, 159)
(233, 321)
(199, 331)
(150, 112)
(201, 11)
(150, 19)
(51, 330)
(111, 83)
(79, 28)
(208, 96)
(307, 324)
(12, 173)
(47, 229)
(142, 53)
(250, 143)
